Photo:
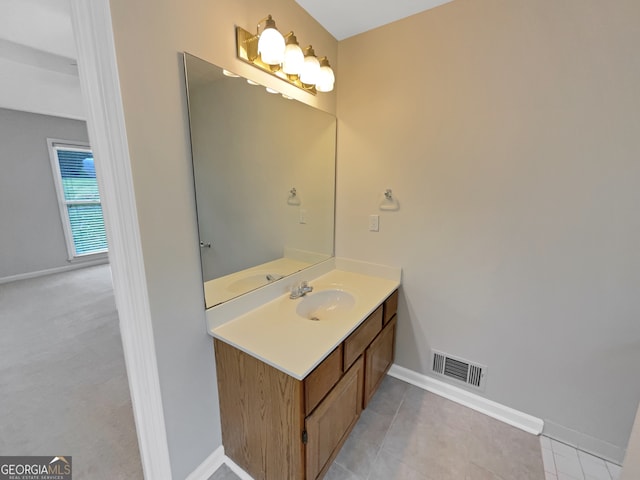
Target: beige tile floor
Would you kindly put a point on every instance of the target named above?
(409, 434)
(563, 462)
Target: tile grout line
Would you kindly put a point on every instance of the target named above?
(553, 456)
(606, 464)
(580, 462)
(384, 439)
(584, 473)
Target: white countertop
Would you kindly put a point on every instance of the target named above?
(277, 335)
(230, 286)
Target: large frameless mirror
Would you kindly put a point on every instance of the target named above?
(264, 170)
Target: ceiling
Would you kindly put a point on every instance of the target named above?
(345, 18)
(43, 25)
(38, 70)
(38, 33)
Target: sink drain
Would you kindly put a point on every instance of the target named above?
(315, 319)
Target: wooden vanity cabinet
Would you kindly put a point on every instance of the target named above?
(390, 307)
(329, 425)
(261, 415)
(322, 379)
(359, 340)
(378, 359)
(276, 427)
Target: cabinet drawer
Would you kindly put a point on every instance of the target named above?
(390, 307)
(355, 343)
(378, 359)
(322, 379)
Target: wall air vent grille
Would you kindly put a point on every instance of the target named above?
(438, 363)
(475, 375)
(458, 369)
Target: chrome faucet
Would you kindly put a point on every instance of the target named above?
(300, 289)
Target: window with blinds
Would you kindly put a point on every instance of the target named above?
(79, 199)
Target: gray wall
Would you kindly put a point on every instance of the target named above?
(510, 140)
(510, 137)
(149, 37)
(31, 234)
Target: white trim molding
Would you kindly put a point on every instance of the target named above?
(213, 462)
(50, 271)
(207, 468)
(53, 145)
(584, 442)
(108, 137)
(236, 469)
(505, 414)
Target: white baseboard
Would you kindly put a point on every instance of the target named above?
(480, 404)
(51, 271)
(236, 469)
(213, 462)
(207, 468)
(584, 442)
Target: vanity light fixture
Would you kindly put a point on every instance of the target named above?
(270, 43)
(282, 56)
(293, 56)
(326, 77)
(310, 68)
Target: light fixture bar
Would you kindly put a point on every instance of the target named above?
(247, 50)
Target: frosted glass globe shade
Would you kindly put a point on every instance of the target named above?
(293, 59)
(324, 87)
(326, 79)
(310, 70)
(271, 46)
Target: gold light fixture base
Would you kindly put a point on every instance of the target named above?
(247, 51)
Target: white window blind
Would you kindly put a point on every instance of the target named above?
(79, 199)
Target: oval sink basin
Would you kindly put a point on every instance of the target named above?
(253, 281)
(325, 304)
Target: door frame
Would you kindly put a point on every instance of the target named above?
(100, 86)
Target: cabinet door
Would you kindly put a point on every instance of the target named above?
(378, 359)
(262, 416)
(329, 425)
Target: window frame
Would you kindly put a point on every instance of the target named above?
(54, 145)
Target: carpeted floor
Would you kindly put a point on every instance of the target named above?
(63, 384)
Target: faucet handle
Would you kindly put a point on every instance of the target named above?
(300, 289)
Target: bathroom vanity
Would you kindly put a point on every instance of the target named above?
(293, 373)
(291, 388)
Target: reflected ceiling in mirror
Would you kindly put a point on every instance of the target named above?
(264, 172)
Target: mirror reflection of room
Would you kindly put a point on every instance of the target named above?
(264, 170)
